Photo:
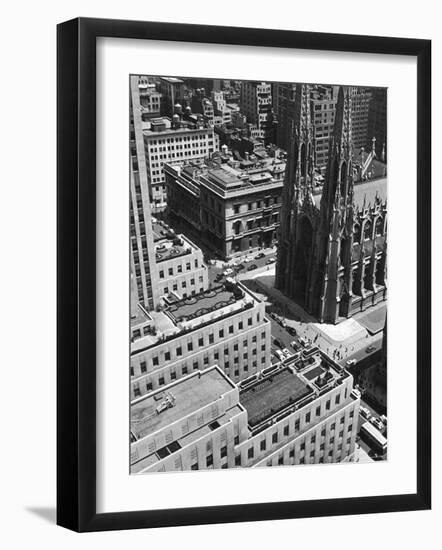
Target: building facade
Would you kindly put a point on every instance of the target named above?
(234, 205)
(303, 412)
(224, 326)
(168, 140)
(142, 260)
(332, 251)
(256, 105)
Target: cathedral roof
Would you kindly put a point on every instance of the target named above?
(369, 190)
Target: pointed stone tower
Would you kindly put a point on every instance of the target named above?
(297, 194)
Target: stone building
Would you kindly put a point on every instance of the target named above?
(333, 248)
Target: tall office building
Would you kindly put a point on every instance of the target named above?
(224, 325)
(256, 105)
(302, 411)
(142, 255)
(377, 122)
(284, 98)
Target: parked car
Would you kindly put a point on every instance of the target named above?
(271, 261)
(294, 345)
(370, 349)
(279, 355)
(351, 362)
(227, 272)
(356, 393)
(277, 343)
(259, 256)
(286, 352)
(383, 419)
(377, 423)
(363, 411)
(291, 330)
(304, 341)
(252, 267)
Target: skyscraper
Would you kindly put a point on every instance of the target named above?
(142, 253)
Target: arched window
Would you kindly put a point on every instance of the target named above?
(303, 163)
(343, 178)
(379, 226)
(357, 233)
(367, 231)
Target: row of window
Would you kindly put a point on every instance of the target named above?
(179, 269)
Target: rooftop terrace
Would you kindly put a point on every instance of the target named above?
(273, 394)
(185, 396)
(205, 302)
(291, 384)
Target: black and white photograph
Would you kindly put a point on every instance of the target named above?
(258, 273)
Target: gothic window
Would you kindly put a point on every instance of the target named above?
(379, 226)
(342, 177)
(303, 163)
(357, 233)
(367, 231)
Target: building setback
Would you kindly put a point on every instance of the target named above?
(225, 325)
(300, 412)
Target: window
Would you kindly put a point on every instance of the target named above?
(238, 460)
(286, 430)
(211, 338)
(231, 329)
(170, 271)
(307, 417)
(318, 411)
(194, 466)
(189, 346)
(201, 342)
(262, 445)
(313, 439)
(297, 425)
(131, 371)
(209, 461)
(223, 451)
(338, 399)
(275, 437)
(184, 370)
(302, 446)
(167, 356)
(155, 361)
(161, 381)
(240, 325)
(327, 405)
(179, 351)
(250, 453)
(195, 365)
(235, 347)
(180, 269)
(161, 274)
(350, 427)
(236, 440)
(221, 333)
(173, 375)
(149, 386)
(333, 426)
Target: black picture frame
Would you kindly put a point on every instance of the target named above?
(76, 274)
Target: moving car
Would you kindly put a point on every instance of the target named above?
(271, 261)
(286, 352)
(363, 411)
(377, 423)
(259, 256)
(251, 267)
(279, 355)
(277, 342)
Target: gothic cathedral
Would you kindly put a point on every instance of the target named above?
(333, 247)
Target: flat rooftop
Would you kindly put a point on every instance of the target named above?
(171, 248)
(272, 394)
(204, 303)
(189, 394)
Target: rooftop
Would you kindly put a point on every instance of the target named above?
(365, 192)
(184, 397)
(204, 302)
(291, 384)
(273, 394)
